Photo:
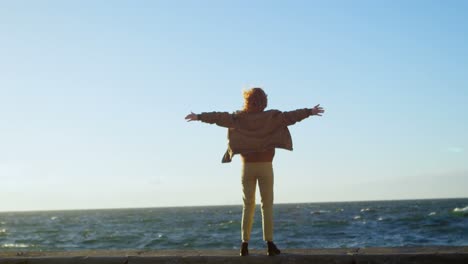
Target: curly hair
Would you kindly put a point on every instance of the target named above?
(255, 100)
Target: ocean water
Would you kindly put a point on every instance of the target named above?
(311, 225)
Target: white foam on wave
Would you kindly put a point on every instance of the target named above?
(226, 223)
(13, 245)
(320, 212)
(3, 231)
(357, 217)
(432, 213)
(53, 218)
(461, 210)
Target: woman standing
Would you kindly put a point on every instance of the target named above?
(254, 134)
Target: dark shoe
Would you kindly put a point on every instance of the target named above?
(244, 249)
(272, 249)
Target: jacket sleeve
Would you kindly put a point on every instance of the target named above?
(291, 117)
(223, 119)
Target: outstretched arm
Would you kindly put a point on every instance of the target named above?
(223, 119)
(291, 117)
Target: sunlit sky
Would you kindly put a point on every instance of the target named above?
(93, 96)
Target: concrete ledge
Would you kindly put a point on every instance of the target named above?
(428, 255)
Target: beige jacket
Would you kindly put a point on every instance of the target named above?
(255, 132)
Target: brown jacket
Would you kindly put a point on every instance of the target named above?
(255, 132)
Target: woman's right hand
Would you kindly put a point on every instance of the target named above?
(317, 110)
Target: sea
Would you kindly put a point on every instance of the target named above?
(442, 222)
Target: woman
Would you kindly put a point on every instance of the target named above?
(254, 134)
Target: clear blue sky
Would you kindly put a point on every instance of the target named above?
(93, 96)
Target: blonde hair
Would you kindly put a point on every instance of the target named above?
(255, 100)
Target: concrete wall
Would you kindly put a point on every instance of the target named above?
(429, 255)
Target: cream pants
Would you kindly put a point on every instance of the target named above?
(263, 173)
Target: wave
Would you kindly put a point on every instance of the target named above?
(319, 212)
(462, 211)
(363, 210)
(226, 223)
(13, 245)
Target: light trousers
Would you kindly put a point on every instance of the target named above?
(261, 172)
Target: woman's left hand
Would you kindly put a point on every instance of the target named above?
(191, 117)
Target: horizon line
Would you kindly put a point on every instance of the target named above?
(219, 205)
